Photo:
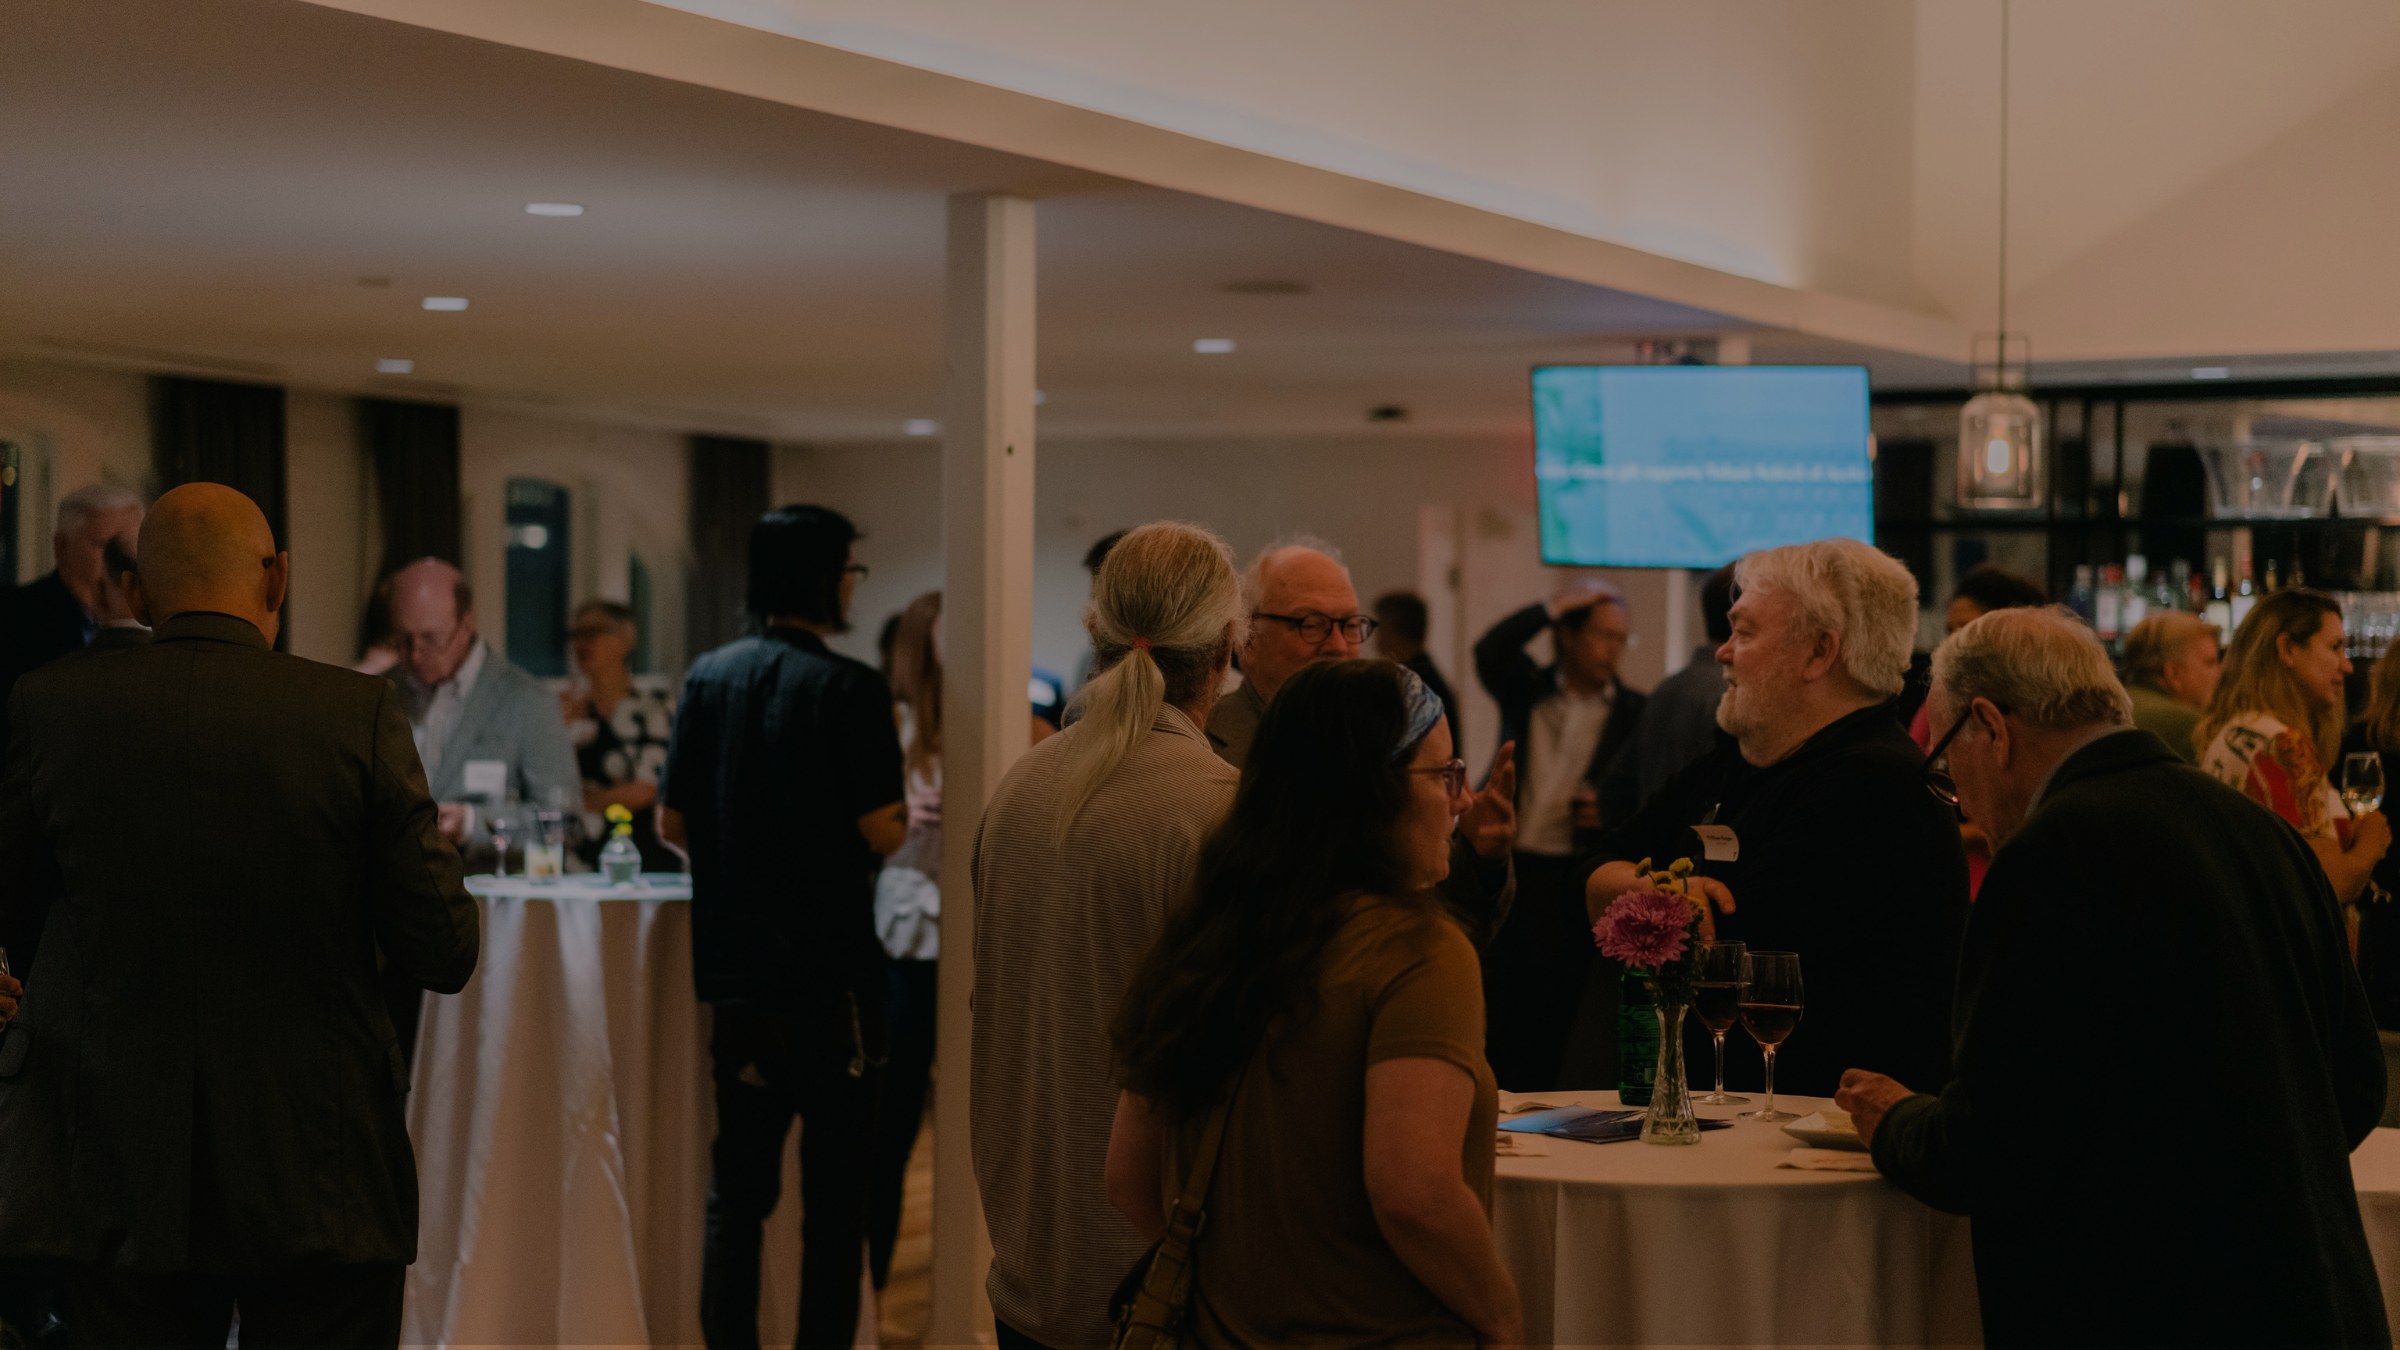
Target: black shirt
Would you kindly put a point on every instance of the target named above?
(780, 746)
(1847, 860)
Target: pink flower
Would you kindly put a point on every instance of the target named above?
(1648, 929)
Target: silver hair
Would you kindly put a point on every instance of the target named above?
(1164, 617)
(1254, 577)
(2155, 642)
(76, 509)
(2040, 666)
(1855, 591)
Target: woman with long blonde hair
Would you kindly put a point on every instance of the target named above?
(2276, 724)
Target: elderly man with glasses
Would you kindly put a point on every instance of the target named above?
(1815, 817)
(2110, 1205)
(1303, 607)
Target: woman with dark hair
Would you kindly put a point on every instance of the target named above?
(1312, 980)
(2276, 723)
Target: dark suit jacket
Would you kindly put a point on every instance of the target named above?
(40, 622)
(203, 1077)
(2199, 1191)
(1517, 685)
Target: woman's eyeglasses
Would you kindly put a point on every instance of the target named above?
(1454, 775)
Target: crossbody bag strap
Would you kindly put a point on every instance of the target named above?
(1170, 1276)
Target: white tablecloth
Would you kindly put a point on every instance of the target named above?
(1632, 1244)
(1713, 1244)
(562, 1116)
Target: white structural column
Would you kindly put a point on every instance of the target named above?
(987, 620)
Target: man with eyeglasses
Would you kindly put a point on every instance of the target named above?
(1814, 817)
(2130, 891)
(1303, 608)
(1546, 991)
(486, 729)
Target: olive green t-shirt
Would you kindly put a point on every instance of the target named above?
(1291, 1254)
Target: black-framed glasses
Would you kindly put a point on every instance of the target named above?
(1454, 775)
(1315, 628)
(1937, 760)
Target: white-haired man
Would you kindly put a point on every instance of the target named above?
(2129, 890)
(1302, 607)
(45, 619)
(1814, 818)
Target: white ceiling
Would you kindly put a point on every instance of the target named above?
(266, 189)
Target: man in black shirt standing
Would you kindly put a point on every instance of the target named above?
(783, 784)
(1815, 818)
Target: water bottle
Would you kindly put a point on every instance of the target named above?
(1637, 1039)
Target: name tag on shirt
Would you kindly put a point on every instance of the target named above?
(1718, 843)
(487, 778)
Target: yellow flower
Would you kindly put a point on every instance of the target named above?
(618, 815)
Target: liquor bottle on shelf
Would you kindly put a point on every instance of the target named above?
(2173, 590)
(2218, 612)
(2081, 598)
(2108, 607)
(2136, 605)
(2244, 596)
(2274, 579)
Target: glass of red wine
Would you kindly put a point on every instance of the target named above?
(1721, 971)
(1770, 1008)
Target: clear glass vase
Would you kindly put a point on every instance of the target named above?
(1670, 1120)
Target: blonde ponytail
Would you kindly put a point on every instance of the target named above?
(1164, 613)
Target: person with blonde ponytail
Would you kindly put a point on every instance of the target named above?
(1090, 837)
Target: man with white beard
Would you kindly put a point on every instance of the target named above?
(1813, 830)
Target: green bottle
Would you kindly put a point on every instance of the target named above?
(1637, 1038)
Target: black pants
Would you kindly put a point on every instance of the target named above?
(317, 1306)
(771, 1065)
(1541, 976)
(915, 1010)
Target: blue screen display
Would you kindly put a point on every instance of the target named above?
(1693, 466)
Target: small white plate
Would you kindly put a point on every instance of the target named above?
(1826, 1129)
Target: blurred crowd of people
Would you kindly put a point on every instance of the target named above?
(1256, 933)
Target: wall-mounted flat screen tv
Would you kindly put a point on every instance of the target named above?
(1693, 466)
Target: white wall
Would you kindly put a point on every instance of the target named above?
(631, 494)
(1365, 495)
(76, 427)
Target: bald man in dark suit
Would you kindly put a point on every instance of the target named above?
(200, 1096)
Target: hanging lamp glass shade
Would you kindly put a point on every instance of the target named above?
(2000, 446)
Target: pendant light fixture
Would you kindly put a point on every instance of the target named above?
(2000, 429)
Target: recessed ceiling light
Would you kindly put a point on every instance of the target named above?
(447, 304)
(553, 208)
(2211, 373)
(921, 426)
(1212, 346)
(1040, 398)
(395, 365)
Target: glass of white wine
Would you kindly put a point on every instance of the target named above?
(2362, 782)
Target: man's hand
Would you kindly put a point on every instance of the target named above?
(451, 819)
(1867, 1096)
(1490, 823)
(11, 989)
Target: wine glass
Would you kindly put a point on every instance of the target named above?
(1721, 970)
(501, 822)
(1770, 1009)
(2362, 782)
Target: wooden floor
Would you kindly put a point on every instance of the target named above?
(907, 1305)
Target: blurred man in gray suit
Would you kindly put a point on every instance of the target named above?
(200, 1097)
(486, 730)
